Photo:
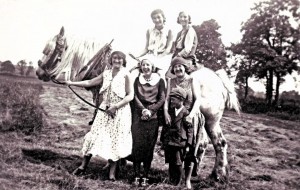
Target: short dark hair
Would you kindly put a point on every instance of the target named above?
(158, 11)
(120, 54)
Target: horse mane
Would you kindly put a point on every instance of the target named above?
(76, 56)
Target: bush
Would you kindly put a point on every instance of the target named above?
(288, 109)
(20, 107)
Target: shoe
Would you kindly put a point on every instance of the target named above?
(78, 171)
(144, 182)
(136, 181)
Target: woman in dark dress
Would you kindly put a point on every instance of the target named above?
(149, 90)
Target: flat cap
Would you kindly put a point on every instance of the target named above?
(178, 92)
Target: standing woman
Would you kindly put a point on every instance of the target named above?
(110, 135)
(149, 97)
(186, 41)
(180, 68)
(159, 41)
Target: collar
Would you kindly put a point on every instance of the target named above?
(155, 79)
(177, 111)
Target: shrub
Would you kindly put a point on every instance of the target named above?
(20, 107)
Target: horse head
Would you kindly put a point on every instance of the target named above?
(75, 59)
(53, 52)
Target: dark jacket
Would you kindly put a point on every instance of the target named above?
(180, 133)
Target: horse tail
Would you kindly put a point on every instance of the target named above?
(232, 101)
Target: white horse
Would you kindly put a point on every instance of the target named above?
(217, 93)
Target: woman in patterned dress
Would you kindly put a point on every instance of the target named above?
(110, 135)
(149, 97)
(159, 41)
(180, 67)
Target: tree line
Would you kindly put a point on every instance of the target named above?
(269, 48)
(22, 68)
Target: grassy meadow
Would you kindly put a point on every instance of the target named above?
(42, 126)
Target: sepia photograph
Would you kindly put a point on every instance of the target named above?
(150, 94)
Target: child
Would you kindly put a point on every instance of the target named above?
(178, 137)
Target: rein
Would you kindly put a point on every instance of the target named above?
(81, 98)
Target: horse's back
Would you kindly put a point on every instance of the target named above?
(213, 93)
(217, 91)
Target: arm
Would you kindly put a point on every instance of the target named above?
(169, 42)
(129, 92)
(196, 93)
(166, 105)
(189, 132)
(137, 102)
(87, 83)
(189, 43)
(145, 50)
(129, 96)
(161, 97)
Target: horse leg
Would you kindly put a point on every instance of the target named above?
(220, 170)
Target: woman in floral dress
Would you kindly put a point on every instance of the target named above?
(110, 135)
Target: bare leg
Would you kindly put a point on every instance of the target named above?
(188, 173)
(81, 169)
(112, 170)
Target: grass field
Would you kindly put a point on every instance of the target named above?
(263, 152)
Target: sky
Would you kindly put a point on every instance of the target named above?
(25, 26)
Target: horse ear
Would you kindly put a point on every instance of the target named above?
(62, 31)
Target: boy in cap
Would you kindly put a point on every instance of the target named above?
(178, 137)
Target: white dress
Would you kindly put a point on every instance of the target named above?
(111, 138)
(158, 44)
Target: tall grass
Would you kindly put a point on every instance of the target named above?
(20, 109)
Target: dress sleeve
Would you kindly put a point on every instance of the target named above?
(161, 97)
(137, 103)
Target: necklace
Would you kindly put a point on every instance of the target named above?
(179, 80)
(148, 79)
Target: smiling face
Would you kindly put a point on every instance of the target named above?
(175, 102)
(179, 70)
(146, 67)
(183, 19)
(158, 20)
(117, 61)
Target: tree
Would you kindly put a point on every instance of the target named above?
(29, 69)
(7, 66)
(22, 65)
(210, 50)
(271, 40)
